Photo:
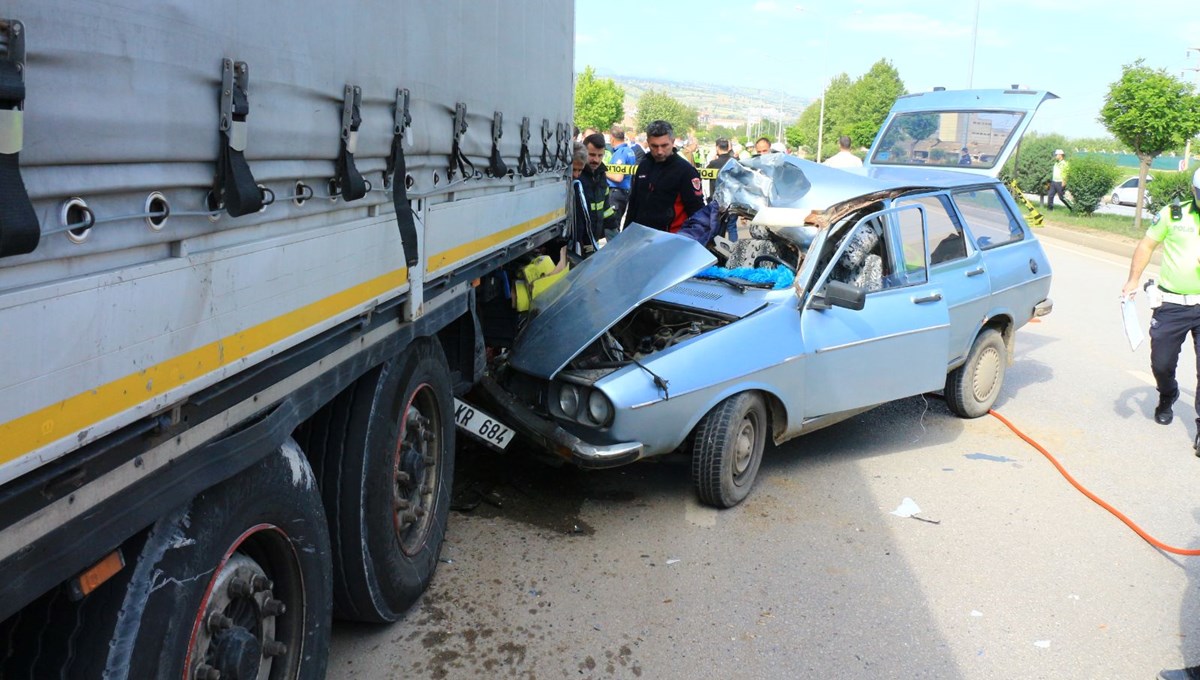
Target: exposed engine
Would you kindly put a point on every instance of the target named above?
(648, 329)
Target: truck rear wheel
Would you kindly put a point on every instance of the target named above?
(384, 452)
(233, 584)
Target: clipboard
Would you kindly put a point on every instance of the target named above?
(1129, 319)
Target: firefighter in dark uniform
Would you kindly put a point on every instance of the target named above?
(595, 184)
(1177, 227)
(666, 187)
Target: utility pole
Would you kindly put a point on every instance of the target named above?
(1187, 148)
(974, 41)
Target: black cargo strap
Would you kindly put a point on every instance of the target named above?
(457, 157)
(496, 166)
(350, 183)
(234, 189)
(547, 133)
(19, 229)
(525, 164)
(564, 147)
(396, 176)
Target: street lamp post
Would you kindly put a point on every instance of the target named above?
(821, 120)
(1187, 148)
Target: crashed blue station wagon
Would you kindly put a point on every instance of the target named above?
(909, 276)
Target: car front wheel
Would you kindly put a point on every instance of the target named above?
(728, 449)
(1115, 200)
(972, 389)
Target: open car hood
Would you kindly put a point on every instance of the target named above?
(635, 266)
(970, 131)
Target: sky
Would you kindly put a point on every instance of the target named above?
(1073, 48)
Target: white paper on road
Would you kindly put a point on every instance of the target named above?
(908, 508)
(1133, 329)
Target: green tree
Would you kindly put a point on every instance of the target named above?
(1151, 112)
(598, 103)
(654, 105)
(870, 99)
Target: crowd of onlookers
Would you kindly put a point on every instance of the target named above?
(665, 190)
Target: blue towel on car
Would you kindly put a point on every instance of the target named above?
(778, 277)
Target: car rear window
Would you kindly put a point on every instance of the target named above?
(947, 138)
(988, 218)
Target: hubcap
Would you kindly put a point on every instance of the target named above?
(986, 376)
(418, 455)
(235, 639)
(744, 446)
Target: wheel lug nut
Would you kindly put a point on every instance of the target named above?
(261, 583)
(401, 504)
(403, 477)
(206, 672)
(273, 607)
(218, 622)
(427, 435)
(274, 648)
(419, 511)
(239, 587)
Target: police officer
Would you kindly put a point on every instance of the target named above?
(1178, 228)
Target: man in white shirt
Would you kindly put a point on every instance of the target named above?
(843, 158)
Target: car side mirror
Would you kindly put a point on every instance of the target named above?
(839, 294)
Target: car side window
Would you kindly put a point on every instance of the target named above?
(912, 248)
(987, 216)
(946, 242)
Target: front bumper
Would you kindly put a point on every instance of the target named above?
(554, 438)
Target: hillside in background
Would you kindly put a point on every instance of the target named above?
(721, 105)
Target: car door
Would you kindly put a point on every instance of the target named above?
(1017, 266)
(957, 268)
(896, 345)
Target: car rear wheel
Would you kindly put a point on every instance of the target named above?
(728, 448)
(972, 389)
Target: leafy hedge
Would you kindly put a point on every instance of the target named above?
(1090, 179)
(1167, 186)
(1035, 157)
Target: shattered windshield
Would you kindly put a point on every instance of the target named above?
(948, 138)
(745, 187)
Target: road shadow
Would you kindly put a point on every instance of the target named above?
(559, 572)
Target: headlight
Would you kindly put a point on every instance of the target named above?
(568, 399)
(599, 408)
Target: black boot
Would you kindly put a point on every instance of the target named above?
(1163, 415)
(1196, 447)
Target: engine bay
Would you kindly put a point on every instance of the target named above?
(646, 330)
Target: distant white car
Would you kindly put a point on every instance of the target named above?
(1126, 192)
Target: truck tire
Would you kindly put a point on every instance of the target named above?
(235, 582)
(972, 389)
(728, 449)
(384, 454)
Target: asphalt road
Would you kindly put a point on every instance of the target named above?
(557, 573)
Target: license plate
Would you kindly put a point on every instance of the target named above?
(481, 425)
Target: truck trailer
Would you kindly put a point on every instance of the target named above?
(245, 254)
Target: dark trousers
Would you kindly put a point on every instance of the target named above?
(618, 199)
(1057, 188)
(1170, 325)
